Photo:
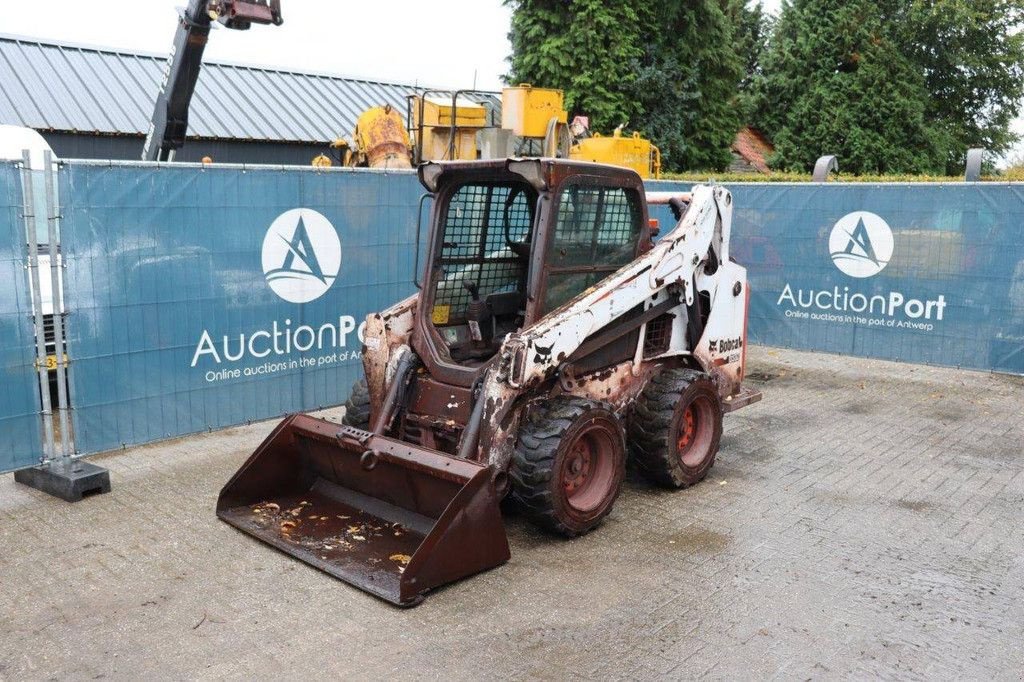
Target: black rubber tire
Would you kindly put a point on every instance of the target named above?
(658, 426)
(568, 432)
(357, 407)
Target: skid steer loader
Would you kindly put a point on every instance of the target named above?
(551, 339)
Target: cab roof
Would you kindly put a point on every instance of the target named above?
(541, 172)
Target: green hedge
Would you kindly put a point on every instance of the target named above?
(1012, 175)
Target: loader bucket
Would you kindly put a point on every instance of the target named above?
(390, 518)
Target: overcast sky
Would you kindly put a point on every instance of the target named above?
(446, 43)
(440, 42)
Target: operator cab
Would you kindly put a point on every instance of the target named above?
(479, 280)
(516, 239)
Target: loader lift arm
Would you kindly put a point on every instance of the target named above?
(666, 277)
(169, 122)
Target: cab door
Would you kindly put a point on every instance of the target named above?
(594, 229)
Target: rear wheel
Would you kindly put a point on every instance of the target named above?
(357, 407)
(676, 427)
(568, 465)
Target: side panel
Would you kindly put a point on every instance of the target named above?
(721, 345)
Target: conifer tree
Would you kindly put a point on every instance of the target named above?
(687, 83)
(587, 48)
(834, 82)
(972, 57)
(669, 69)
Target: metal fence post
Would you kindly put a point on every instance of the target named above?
(56, 286)
(59, 474)
(825, 166)
(31, 236)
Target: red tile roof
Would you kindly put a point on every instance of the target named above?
(753, 147)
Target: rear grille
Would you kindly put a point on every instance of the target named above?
(658, 336)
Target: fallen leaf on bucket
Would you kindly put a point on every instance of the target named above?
(401, 558)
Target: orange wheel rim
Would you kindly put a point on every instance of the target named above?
(687, 429)
(587, 470)
(694, 432)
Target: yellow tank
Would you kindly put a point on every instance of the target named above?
(632, 152)
(381, 139)
(438, 113)
(526, 110)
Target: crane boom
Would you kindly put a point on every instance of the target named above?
(169, 122)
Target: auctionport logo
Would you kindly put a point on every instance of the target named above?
(861, 244)
(301, 255)
(301, 260)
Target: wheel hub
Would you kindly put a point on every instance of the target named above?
(587, 470)
(578, 469)
(687, 429)
(693, 432)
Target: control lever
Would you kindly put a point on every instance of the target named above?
(476, 311)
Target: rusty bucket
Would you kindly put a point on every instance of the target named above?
(390, 518)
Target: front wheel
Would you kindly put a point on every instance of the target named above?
(568, 465)
(676, 427)
(357, 407)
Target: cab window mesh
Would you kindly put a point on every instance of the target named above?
(596, 226)
(474, 246)
(659, 335)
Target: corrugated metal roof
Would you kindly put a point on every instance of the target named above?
(75, 88)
